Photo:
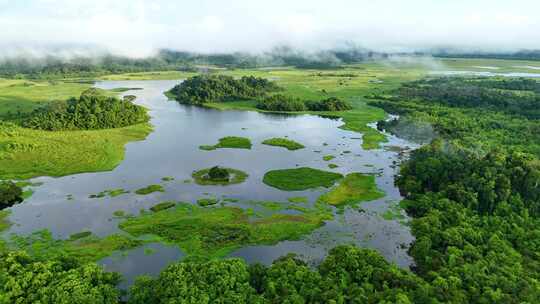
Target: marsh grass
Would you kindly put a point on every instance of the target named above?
(230, 142)
(283, 142)
(215, 232)
(354, 188)
(150, 189)
(162, 206)
(300, 178)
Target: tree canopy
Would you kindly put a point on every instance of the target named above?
(10, 194)
(92, 110)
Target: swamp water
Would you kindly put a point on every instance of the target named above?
(63, 206)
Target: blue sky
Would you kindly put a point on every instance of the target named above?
(138, 28)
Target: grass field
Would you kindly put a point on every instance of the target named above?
(23, 96)
(26, 153)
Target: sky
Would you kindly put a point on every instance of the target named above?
(138, 28)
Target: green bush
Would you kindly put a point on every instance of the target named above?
(281, 103)
(329, 104)
(10, 194)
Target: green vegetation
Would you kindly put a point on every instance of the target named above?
(10, 194)
(203, 202)
(283, 142)
(488, 116)
(332, 166)
(298, 199)
(214, 232)
(288, 280)
(119, 213)
(474, 192)
(150, 189)
(233, 176)
(28, 153)
(394, 212)
(80, 235)
(283, 103)
(300, 179)
(328, 157)
(86, 249)
(19, 97)
(162, 206)
(220, 88)
(233, 142)
(92, 110)
(111, 193)
(26, 279)
(354, 188)
(167, 178)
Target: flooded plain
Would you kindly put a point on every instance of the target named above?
(170, 154)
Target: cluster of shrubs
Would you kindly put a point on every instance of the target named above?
(92, 110)
(282, 103)
(219, 88)
(10, 194)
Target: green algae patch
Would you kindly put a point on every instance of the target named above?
(354, 188)
(215, 232)
(83, 246)
(110, 193)
(119, 213)
(202, 177)
(80, 235)
(300, 179)
(4, 223)
(298, 200)
(231, 142)
(203, 202)
(150, 189)
(167, 178)
(162, 206)
(332, 166)
(328, 157)
(283, 142)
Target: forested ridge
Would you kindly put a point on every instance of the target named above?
(92, 110)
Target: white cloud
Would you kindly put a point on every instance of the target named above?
(138, 27)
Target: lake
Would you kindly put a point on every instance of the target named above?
(63, 205)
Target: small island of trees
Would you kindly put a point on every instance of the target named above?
(92, 110)
(202, 89)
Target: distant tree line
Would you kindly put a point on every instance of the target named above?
(520, 55)
(52, 67)
(92, 110)
(514, 96)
